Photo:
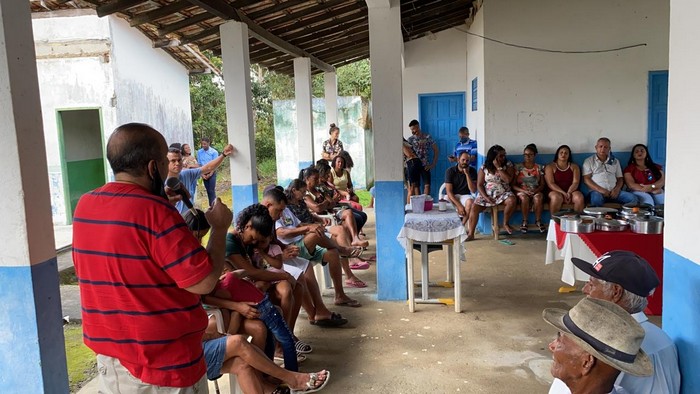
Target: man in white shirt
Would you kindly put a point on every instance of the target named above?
(626, 279)
(602, 174)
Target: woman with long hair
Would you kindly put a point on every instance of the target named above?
(644, 178)
(563, 177)
(493, 183)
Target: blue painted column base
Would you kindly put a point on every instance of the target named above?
(391, 258)
(32, 352)
(243, 196)
(681, 315)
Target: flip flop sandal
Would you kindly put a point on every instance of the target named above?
(523, 228)
(356, 252)
(542, 227)
(359, 266)
(334, 321)
(355, 283)
(303, 347)
(311, 384)
(370, 258)
(281, 390)
(350, 303)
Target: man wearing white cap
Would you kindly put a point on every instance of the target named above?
(596, 341)
(627, 280)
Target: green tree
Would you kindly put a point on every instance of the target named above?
(208, 107)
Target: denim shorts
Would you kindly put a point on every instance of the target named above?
(214, 353)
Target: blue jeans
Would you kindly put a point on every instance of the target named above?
(210, 185)
(280, 330)
(597, 199)
(649, 198)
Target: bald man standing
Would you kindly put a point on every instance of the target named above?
(141, 272)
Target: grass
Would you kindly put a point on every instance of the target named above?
(81, 360)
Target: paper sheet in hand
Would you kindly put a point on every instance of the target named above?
(296, 266)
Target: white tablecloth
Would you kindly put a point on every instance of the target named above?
(431, 226)
(573, 247)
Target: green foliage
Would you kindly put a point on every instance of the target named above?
(208, 107)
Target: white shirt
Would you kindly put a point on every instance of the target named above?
(288, 220)
(559, 387)
(666, 378)
(603, 173)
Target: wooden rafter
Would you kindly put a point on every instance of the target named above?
(117, 6)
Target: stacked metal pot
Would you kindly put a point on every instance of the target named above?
(640, 218)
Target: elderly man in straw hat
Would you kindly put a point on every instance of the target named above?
(596, 341)
(626, 279)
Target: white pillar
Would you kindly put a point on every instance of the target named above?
(386, 44)
(239, 113)
(32, 355)
(305, 119)
(330, 87)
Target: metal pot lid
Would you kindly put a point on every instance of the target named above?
(641, 206)
(599, 210)
(612, 222)
(648, 219)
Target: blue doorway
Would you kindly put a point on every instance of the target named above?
(658, 108)
(441, 115)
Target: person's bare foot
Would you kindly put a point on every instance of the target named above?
(359, 242)
(309, 382)
(508, 229)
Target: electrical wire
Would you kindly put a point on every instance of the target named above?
(551, 50)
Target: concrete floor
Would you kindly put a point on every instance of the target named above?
(498, 344)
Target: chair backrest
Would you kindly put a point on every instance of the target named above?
(442, 194)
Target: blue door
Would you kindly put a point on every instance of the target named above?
(658, 106)
(441, 115)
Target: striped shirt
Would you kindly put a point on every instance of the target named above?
(134, 256)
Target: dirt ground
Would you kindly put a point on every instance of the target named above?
(498, 344)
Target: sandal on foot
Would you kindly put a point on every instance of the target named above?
(359, 266)
(541, 226)
(334, 321)
(356, 252)
(355, 283)
(313, 385)
(349, 302)
(280, 390)
(523, 228)
(303, 347)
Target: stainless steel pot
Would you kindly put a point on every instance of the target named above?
(647, 225)
(577, 224)
(567, 212)
(600, 212)
(659, 210)
(629, 214)
(635, 207)
(611, 225)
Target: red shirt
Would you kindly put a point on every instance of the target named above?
(643, 177)
(241, 290)
(133, 257)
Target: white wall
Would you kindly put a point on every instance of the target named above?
(434, 64)
(73, 82)
(553, 98)
(682, 188)
(151, 87)
(475, 69)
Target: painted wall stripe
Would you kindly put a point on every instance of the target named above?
(243, 196)
(391, 270)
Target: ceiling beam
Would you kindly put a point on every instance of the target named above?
(116, 6)
(186, 21)
(310, 10)
(348, 21)
(162, 12)
(224, 11)
(202, 34)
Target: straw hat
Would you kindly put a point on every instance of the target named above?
(606, 331)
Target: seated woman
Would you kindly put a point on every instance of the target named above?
(493, 184)
(528, 183)
(563, 177)
(644, 178)
(319, 203)
(326, 186)
(341, 179)
(296, 192)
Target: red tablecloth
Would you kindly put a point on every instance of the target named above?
(648, 246)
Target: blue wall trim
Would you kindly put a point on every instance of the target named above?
(391, 260)
(32, 354)
(243, 196)
(681, 315)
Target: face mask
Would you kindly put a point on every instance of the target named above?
(464, 140)
(158, 186)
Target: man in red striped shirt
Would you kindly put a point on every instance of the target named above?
(141, 272)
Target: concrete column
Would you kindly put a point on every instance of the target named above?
(239, 114)
(32, 355)
(681, 299)
(305, 118)
(330, 87)
(386, 44)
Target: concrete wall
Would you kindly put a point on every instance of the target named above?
(554, 98)
(70, 80)
(151, 86)
(475, 69)
(681, 318)
(433, 64)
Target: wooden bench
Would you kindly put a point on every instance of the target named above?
(499, 208)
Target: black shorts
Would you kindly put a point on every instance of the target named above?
(414, 171)
(425, 175)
